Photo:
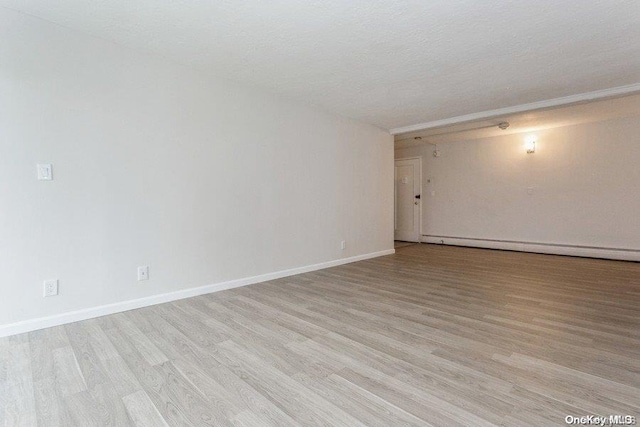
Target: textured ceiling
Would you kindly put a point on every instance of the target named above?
(387, 62)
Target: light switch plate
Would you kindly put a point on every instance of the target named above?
(45, 172)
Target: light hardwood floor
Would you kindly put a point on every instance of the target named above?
(433, 335)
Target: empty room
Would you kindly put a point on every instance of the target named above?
(332, 213)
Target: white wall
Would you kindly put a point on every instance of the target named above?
(585, 180)
(203, 180)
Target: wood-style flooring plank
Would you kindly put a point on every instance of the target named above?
(142, 411)
(430, 336)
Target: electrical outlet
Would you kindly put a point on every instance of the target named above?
(50, 288)
(343, 245)
(143, 273)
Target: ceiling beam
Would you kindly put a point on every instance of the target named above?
(539, 105)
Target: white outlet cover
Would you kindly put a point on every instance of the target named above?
(143, 273)
(50, 288)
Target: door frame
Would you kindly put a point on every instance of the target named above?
(421, 194)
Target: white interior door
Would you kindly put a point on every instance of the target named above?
(408, 177)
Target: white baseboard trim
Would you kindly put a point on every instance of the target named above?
(118, 307)
(542, 248)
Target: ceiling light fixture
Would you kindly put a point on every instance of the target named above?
(530, 144)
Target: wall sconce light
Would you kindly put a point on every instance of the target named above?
(530, 145)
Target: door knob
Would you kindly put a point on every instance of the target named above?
(418, 196)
